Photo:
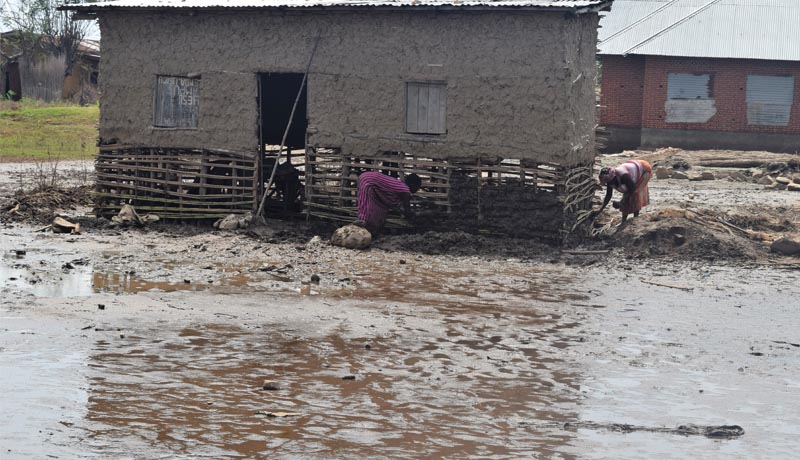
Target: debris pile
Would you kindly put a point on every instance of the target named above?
(698, 234)
(774, 170)
(43, 204)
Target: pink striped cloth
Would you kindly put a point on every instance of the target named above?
(378, 194)
(636, 168)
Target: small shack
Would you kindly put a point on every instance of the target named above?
(696, 74)
(491, 102)
(38, 72)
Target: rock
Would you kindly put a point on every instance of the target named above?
(679, 175)
(796, 178)
(314, 242)
(783, 180)
(352, 237)
(737, 176)
(695, 176)
(349, 377)
(794, 187)
(61, 225)
(127, 216)
(270, 385)
(101, 306)
(707, 175)
(231, 222)
(315, 279)
(766, 180)
(149, 219)
(788, 245)
(662, 173)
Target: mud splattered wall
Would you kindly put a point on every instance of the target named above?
(518, 84)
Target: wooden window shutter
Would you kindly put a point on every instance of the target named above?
(426, 107)
(177, 102)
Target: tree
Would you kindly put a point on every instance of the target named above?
(39, 28)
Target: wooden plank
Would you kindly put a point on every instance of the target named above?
(412, 108)
(422, 108)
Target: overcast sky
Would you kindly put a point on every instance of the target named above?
(10, 5)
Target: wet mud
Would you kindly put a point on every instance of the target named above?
(189, 344)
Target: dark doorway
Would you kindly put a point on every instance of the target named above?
(277, 94)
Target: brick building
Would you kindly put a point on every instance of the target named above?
(701, 74)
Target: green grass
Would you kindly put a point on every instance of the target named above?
(33, 130)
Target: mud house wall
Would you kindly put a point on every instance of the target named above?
(519, 84)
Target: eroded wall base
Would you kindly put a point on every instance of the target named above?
(508, 197)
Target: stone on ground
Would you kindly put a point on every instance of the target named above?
(766, 180)
(679, 175)
(127, 216)
(352, 237)
(788, 245)
(662, 173)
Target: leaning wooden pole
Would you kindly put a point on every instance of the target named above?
(260, 212)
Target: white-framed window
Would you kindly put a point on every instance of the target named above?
(426, 107)
(690, 98)
(769, 100)
(177, 102)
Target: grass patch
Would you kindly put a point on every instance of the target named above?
(32, 130)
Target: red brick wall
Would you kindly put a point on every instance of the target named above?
(621, 91)
(729, 90)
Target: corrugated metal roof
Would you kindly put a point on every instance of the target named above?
(249, 4)
(746, 29)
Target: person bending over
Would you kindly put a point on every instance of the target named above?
(629, 178)
(378, 194)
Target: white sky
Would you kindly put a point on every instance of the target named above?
(9, 5)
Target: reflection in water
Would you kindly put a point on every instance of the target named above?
(198, 390)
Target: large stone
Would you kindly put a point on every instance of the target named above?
(796, 178)
(788, 245)
(783, 180)
(127, 216)
(231, 222)
(352, 237)
(737, 176)
(707, 175)
(766, 180)
(679, 175)
(793, 187)
(695, 176)
(662, 173)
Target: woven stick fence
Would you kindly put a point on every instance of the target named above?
(175, 183)
(331, 184)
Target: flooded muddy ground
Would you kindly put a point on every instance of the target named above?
(184, 343)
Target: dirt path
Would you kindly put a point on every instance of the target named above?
(157, 343)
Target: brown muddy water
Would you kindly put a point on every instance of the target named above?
(422, 360)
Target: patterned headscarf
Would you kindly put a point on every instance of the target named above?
(607, 175)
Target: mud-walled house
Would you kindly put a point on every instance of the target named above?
(701, 74)
(491, 102)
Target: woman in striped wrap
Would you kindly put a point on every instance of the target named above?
(629, 178)
(378, 194)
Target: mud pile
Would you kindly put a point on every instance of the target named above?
(463, 244)
(700, 234)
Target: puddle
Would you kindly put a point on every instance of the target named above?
(197, 391)
(38, 273)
